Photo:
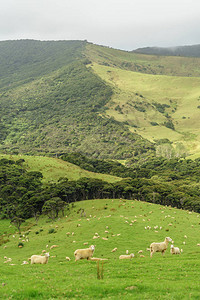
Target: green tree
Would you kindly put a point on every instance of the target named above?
(53, 207)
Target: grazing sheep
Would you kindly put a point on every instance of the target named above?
(25, 263)
(84, 253)
(97, 259)
(38, 259)
(53, 246)
(159, 247)
(67, 258)
(126, 256)
(174, 250)
(113, 250)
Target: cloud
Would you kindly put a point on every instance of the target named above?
(124, 24)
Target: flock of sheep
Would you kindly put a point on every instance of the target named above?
(87, 253)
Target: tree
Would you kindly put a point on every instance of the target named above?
(16, 221)
(53, 206)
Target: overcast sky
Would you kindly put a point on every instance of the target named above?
(122, 24)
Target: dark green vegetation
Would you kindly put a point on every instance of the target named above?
(123, 223)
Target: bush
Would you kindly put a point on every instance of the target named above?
(20, 244)
(52, 230)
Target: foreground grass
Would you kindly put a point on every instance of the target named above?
(53, 169)
(168, 277)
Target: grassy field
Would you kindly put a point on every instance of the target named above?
(122, 223)
(134, 101)
(53, 169)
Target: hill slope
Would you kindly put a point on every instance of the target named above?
(53, 169)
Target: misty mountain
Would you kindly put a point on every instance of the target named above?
(189, 51)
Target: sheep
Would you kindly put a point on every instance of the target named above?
(113, 250)
(53, 246)
(67, 258)
(84, 253)
(24, 262)
(174, 250)
(38, 259)
(98, 259)
(159, 247)
(126, 256)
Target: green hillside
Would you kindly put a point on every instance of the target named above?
(122, 225)
(59, 112)
(155, 106)
(148, 64)
(73, 96)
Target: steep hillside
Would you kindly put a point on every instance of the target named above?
(190, 51)
(59, 112)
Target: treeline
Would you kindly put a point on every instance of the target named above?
(166, 169)
(22, 194)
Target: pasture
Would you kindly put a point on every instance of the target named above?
(121, 223)
(134, 98)
(53, 169)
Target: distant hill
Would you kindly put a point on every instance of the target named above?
(190, 51)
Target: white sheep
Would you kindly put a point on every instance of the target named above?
(126, 256)
(113, 250)
(84, 253)
(98, 259)
(159, 247)
(174, 250)
(53, 246)
(67, 258)
(38, 259)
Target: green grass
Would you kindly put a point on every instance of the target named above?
(53, 168)
(168, 277)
